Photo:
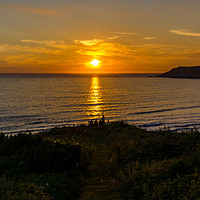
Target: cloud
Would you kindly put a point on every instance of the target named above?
(88, 42)
(149, 38)
(49, 43)
(124, 33)
(95, 42)
(4, 47)
(118, 35)
(151, 46)
(149, 52)
(114, 37)
(29, 9)
(185, 32)
(35, 53)
(110, 48)
(28, 59)
(106, 49)
(22, 59)
(19, 48)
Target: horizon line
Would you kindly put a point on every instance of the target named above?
(76, 73)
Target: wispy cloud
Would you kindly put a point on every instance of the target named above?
(149, 38)
(114, 37)
(50, 43)
(124, 33)
(28, 59)
(95, 42)
(117, 35)
(25, 49)
(36, 52)
(106, 49)
(115, 49)
(151, 46)
(88, 42)
(28, 9)
(185, 32)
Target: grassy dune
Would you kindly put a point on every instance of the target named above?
(155, 164)
(118, 161)
(48, 165)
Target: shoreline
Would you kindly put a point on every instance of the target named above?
(145, 127)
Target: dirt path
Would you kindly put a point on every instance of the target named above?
(100, 185)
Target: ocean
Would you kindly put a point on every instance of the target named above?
(36, 102)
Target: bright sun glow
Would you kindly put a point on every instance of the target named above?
(95, 62)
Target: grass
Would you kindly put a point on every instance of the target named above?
(48, 165)
(118, 161)
(155, 164)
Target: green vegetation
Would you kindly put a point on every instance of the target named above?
(155, 164)
(44, 166)
(118, 161)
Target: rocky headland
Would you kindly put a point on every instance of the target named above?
(183, 72)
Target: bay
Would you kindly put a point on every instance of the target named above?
(41, 101)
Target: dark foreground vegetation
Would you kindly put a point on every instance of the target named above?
(148, 165)
(44, 166)
(155, 165)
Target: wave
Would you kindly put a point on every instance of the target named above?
(152, 125)
(163, 110)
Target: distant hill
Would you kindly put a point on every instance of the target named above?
(183, 72)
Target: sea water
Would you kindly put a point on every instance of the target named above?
(35, 102)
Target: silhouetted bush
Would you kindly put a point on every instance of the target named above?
(48, 164)
(155, 164)
(31, 154)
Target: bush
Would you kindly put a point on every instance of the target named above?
(31, 154)
(155, 164)
(32, 167)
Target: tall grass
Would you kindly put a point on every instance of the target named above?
(44, 166)
(155, 164)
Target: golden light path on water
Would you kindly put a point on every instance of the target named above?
(94, 100)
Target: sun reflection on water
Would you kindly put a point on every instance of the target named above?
(94, 100)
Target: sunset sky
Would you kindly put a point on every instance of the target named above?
(126, 36)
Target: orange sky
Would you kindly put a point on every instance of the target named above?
(146, 36)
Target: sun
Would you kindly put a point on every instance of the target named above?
(95, 62)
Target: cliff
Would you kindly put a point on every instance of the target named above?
(183, 72)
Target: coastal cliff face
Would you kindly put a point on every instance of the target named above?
(183, 72)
